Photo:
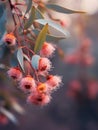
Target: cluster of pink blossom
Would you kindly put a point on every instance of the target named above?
(76, 87)
(82, 55)
(38, 91)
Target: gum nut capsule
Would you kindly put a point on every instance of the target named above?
(35, 61)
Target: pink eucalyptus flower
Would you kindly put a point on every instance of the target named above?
(3, 119)
(75, 85)
(86, 45)
(44, 64)
(74, 88)
(88, 60)
(72, 59)
(15, 73)
(53, 82)
(92, 89)
(39, 99)
(47, 50)
(10, 39)
(27, 84)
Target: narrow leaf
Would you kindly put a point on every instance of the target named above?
(53, 25)
(26, 57)
(31, 18)
(41, 38)
(61, 9)
(50, 37)
(20, 58)
(38, 14)
(15, 105)
(29, 5)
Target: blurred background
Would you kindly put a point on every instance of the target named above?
(75, 105)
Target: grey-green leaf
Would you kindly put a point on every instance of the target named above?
(9, 115)
(61, 9)
(26, 57)
(20, 58)
(16, 106)
(54, 25)
(41, 38)
(39, 15)
(29, 5)
(29, 22)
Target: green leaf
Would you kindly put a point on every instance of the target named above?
(31, 18)
(54, 25)
(29, 5)
(41, 38)
(50, 37)
(20, 58)
(61, 9)
(9, 115)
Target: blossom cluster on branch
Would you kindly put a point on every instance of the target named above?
(29, 43)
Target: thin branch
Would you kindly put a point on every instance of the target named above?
(11, 6)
